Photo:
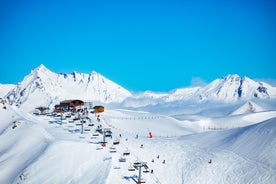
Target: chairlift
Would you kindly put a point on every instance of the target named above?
(108, 131)
(95, 134)
(131, 168)
(136, 165)
(126, 153)
(100, 130)
(145, 166)
(116, 167)
(112, 150)
(122, 159)
(107, 134)
(146, 171)
(117, 141)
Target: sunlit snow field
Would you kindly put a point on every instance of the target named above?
(41, 149)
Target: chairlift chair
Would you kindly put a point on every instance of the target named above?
(112, 150)
(100, 130)
(131, 168)
(117, 141)
(146, 171)
(122, 159)
(95, 134)
(145, 166)
(126, 153)
(136, 165)
(116, 167)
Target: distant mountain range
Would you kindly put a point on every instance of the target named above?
(44, 87)
(231, 88)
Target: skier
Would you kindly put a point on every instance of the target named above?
(150, 135)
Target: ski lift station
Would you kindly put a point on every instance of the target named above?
(67, 104)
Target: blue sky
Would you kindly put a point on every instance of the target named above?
(140, 44)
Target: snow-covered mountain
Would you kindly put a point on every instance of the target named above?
(233, 87)
(44, 87)
(5, 88)
(248, 107)
(229, 89)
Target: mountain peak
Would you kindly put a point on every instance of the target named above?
(233, 87)
(41, 70)
(47, 88)
(41, 67)
(232, 77)
(94, 73)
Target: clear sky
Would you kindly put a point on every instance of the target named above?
(140, 44)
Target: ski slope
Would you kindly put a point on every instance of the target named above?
(43, 149)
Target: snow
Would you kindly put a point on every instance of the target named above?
(248, 107)
(230, 122)
(5, 88)
(44, 150)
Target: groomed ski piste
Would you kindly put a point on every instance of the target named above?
(44, 149)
